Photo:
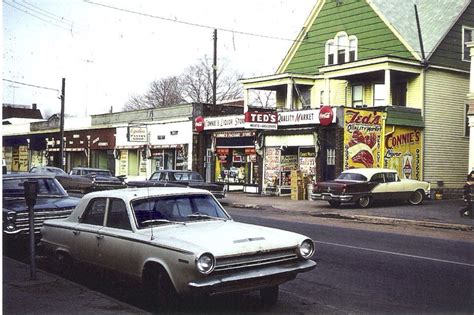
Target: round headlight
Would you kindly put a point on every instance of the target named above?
(11, 216)
(205, 263)
(10, 227)
(306, 248)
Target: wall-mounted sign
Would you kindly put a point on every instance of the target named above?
(137, 134)
(199, 123)
(326, 116)
(173, 132)
(261, 120)
(224, 122)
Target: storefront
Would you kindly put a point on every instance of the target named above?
(235, 158)
(295, 146)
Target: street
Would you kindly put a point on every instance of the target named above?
(359, 270)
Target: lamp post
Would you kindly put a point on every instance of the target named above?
(88, 150)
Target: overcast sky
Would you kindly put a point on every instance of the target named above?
(107, 55)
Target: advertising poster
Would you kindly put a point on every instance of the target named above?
(403, 151)
(272, 167)
(123, 162)
(23, 158)
(363, 138)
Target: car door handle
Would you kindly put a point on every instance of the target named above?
(76, 232)
(99, 237)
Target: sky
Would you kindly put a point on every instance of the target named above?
(107, 55)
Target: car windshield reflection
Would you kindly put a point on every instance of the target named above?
(176, 209)
(47, 187)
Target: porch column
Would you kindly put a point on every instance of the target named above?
(246, 100)
(289, 96)
(327, 92)
(388, 90)
(470, 112)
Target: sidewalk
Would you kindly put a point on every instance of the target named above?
(51, 294)
(432, 213)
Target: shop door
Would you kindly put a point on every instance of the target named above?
(329, 163)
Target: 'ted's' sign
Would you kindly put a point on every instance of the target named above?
(261, 120)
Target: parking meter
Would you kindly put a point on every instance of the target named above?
(31, 193)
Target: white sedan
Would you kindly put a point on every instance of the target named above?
(177, 242)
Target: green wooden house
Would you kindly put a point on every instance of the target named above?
(377, 53)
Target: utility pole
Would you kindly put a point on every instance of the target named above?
(214, 73)
(61, 125)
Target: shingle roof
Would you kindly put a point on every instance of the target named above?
(436, 18)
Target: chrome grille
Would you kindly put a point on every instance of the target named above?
(22, 220)
(255, 259)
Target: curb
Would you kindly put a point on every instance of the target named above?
(364, 218)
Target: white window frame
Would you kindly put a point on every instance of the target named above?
(468, 57)
(341, 41)
(467, 128)
(330, 48)
(358, 102)
(330, 156)
(379, 101)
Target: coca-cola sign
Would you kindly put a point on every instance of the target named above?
(326, 116)
(199, 123)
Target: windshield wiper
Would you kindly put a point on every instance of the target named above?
(198, 215)
(164, 221)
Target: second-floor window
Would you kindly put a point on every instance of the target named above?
(357, 95)
(341, 49)
(466, 38)
(379, 95)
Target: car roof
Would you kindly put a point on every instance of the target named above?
(369, 172)
(129, 194)
(90, 169)
(176, 171)
(26, 175)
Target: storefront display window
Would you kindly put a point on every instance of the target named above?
(235, 165)
(280, 161)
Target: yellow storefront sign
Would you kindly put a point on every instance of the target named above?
(403, 151)
(363, 138)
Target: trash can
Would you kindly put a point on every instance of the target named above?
(309, 190)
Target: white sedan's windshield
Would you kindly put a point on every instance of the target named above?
(159, 210)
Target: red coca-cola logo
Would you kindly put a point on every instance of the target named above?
(199, 123)
(325, 116)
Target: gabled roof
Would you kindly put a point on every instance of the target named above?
(437, 17)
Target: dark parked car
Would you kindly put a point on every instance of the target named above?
(52, 202)
(174, 178)
(69, 182)
(103, 179)
(365, 185)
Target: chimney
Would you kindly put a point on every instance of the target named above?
(33, 106)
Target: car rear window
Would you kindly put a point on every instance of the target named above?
(352, 176)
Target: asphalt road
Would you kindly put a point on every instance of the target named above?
(365, 271)
(359, 271)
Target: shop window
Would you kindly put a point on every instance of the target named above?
(357, 95)
(379, 95)
(466, 38)
(330, 157)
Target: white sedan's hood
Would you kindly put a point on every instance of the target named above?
(223, 238)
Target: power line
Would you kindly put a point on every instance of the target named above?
(38, 17)
(31, 85)
(233, 31)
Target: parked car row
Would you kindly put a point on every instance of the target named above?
(84, 180)
(176, 241)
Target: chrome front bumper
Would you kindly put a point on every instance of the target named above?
(249, 280)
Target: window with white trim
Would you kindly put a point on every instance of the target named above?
(379, 95)
(357, 95)
(341, 49)
(467, 129)
(330, 157)
(466, 38)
